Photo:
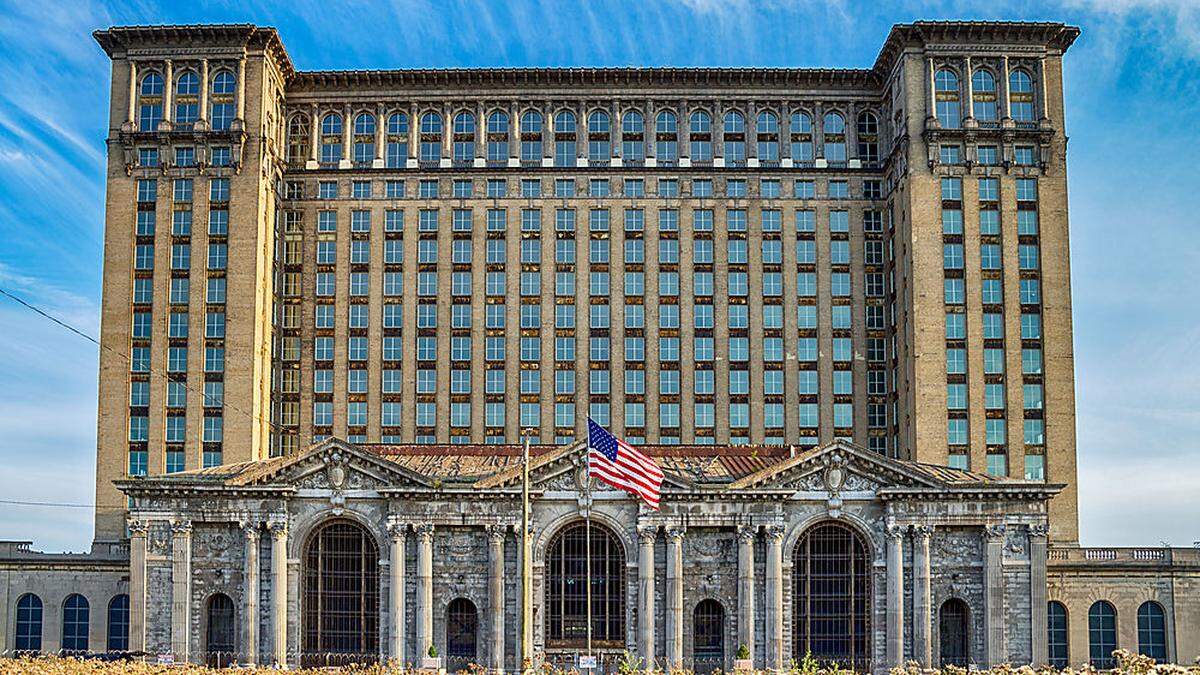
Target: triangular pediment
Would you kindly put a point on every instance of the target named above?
(333, 464)
(559, 469)
(838, 467)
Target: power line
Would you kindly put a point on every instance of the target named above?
(126, 357)
(65, 505)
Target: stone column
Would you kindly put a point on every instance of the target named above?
(895, 595)
(131, 115)
(424, 616)
(241, 90)
(279, 591)
(203, 117)
(347, 160)
(922, 609)
(414, 133)
(314, 132)
(993, 595)
(137, 585)
(718, 143)
(181, 588)
(380, 136)
(397, 562)
(250, 597)
(496, 536)
(969, 108)
(746, 535)
(685, 134)
(1045, 107)
(674, 622)
(774, 600)
(1004, 90)
(646, 536)
(932, 91)
(1037, 592)
(168, 117)
(447, 135)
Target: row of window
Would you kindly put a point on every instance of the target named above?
(432, 143)
(985, 106)
(464, 188)
(186, 100)
(76, 624)
(1102, 633)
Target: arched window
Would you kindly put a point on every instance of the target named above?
(700, 147)
(118, 624)
(531, 136)
(945, 90)
(566, 599)
(497, 122)
(700, 122)
(1102, 634)
(952, 633)
(633, 123)
(331, 138)
(708, 636)
(831, 597)
(834, 132)
(1020, 95)
(150, 102)
(364, 124)
(462, 623)
(868, 137)
(29, 624)
(464, 123)
(224, 88)
(218, 632)
(463, 147)
(802, 137)
(297, 138)
(767, 128)
(364, 138)
(531, 122)
(187, 99)
(431, 123)
(397, 124)
(564, 122)
(340, 599)
(395, 153)
(735, 122)
(1057, 630)
(983, 92)
(599, 123)
(666, 123)
(1152, 630)
(76, 618)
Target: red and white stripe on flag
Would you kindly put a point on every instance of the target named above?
(622, 466)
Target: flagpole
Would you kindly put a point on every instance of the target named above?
(526, 565)
(587, 548)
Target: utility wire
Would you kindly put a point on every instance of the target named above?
(126, 357)
(64, 505)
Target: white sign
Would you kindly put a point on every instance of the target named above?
(166, 659)
(587, 661)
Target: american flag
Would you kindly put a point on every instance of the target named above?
(617, 463)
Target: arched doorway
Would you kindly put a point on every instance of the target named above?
(831, 594)
(566, 598)
(340, 600)
(952, 633)
(462, 631)
(708, 636)
(218, 633)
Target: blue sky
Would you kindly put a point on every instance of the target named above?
(1132, 107)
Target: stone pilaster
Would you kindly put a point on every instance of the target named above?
(250, 593)
(279, 591)
(241, 91)
(137, 584)
(1038, 535)
(181, 588)
(922, 608)
(203, 117)
(131, 113)
(424, 587)
(496, 536)
(746, 535)
(646, 536)
(398, 532)
(674, 622)
(774, 598)
(168, 116)
(895, 595)
(993, 595)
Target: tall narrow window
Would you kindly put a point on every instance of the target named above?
(566, 598)
(1020, 95)
(29, 624)
(221, 104)
(341, 596)
(298, 139)
(118, 623)
(75, 622)
(983, 92)
(187, 100)
(945, 89)
(868, 138)
(150, 102)
(1152, 630)
(1102, 634)
(1056, 634)
(952, 633)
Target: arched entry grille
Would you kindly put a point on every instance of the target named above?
(952, 633)
(831, 592)
(341, 595)
(462, 624)
(218, 640)
(566, 601)
(708, 636)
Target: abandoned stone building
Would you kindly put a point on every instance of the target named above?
(833, 304)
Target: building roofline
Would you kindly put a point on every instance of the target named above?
(119, 38)
(1049, 33)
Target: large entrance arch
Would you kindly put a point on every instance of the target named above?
(566, 598)
(831, 597)
(340, 600)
